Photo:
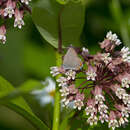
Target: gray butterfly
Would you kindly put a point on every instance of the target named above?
(71, 60)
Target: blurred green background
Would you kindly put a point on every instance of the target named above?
(26, 55)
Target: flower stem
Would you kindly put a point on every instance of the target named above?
(56, 114)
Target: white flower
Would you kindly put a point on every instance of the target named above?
(125, 54)
(46, 95)
(125, 112)
(8, 11)
(99, 99)
(85, 50)
(106, 58)
(92, 120)
(70, 74)
(113, 124)
(54, 71)
(78, 104)
(62, 81)
(122, 121)
(25, 1)
(65, 101)
(18, 19)
(91, 75)
(126, 99)
(18, 22)
(102, 108)
(90, 110)
(64, 91)
(103, 117)
(113, 38)
(125, 82)
(119, 92)
(3, 38)
(2, 34)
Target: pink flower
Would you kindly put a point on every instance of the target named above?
(105, 75)
(18, 19)
(99, 98)
(113, 123)
(97, 91)
(92, 120)
(90, 109)
(62, 81)
(113, 38)
(91, 73)
(64, 91)
(70, 74)
(72, 89)
(123, 109)
(78, 104)
(107, 45)
(124, 79)
(112, 115)
(114, 63)
(2, 13)
(91, 102)
(105, 57)
(56, 70)
(2, 34)
(9, 10)
(79, 96)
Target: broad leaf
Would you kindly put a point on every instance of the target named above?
(19, 105)
(46, 15)
(23, 89)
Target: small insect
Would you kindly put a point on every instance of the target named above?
(71, 60)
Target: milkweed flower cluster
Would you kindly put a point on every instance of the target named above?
(14, 9)
(103, 92)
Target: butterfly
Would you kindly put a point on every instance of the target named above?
(71, 60)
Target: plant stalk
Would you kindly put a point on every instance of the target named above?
(56, 114)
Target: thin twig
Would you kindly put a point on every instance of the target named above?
(60, 32)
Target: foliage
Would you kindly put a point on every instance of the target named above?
(55, 19)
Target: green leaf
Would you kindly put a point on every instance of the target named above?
(70, 24)
(65, 122)
(29, 86)
(63, 1)
(20, 106)
(23, 89)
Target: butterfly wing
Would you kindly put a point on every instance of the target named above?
(71, 60)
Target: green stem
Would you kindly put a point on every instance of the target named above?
(56, 114)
